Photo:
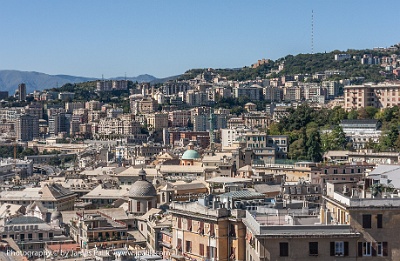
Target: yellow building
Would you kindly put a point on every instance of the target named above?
(200, 232)
(375, 217)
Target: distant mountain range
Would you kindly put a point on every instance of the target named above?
(9, 80)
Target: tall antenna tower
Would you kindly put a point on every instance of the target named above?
(312, 31)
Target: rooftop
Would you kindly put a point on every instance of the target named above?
(243, 194)
(25, 220)
(228, 180)
(293, 226)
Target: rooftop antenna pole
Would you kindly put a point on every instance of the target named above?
(312, 31)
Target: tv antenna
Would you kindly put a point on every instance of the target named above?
(312, 31)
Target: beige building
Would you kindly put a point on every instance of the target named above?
(115, 126)
(50, 196)
(179, 118)
(297, 237)
(201, 232)
(381, 95)
(374, 216)
(93, 105)
(143, 106)
(157, 121)
(99, 230)
(32, 233)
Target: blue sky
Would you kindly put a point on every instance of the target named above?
(163, 38)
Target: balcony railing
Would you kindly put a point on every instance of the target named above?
(108, 239)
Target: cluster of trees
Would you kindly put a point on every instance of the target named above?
(308, 64)
(240, 74)
(236, 105)
(320, 62)
(8, 152)
(313, 131)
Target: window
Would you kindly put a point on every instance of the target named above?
(339, 248)
(201, 228)
(212, 231)
(201, 249)
(189, 224)
(367, 249)
(51, 235)
(379, 219)
(22, 237)
(211, 252)
(284, 249)
(313, 248)
(179, 245)
(379, 250)
(138, 207)
(188, 246)
(366, 221)
(40, 236)
(179, 222)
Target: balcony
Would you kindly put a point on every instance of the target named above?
(366, 202)
(109, 239)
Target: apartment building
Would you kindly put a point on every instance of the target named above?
(374, 215)
(157, 121)
(34, 109)
(143, 106)
(275, 235)
(42, 201)
(206, 231)
(332, 88)
(179, 118)
(361, 131)
(273, 94)
(31, 233)
(253, 92)
(27, 127)
(115, 126)
(91, 230)
(382, 95)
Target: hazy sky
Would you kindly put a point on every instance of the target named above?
(165, 38)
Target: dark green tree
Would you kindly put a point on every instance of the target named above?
(313, 145)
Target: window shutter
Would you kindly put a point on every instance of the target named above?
(332, 248)
(360, 248)
(374, 248)
(366, 219)
(346, 248)
(385, 248)
(379, 220)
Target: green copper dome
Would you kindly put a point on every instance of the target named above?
(190, 155)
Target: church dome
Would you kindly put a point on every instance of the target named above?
(142, 187)
(190, 155)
